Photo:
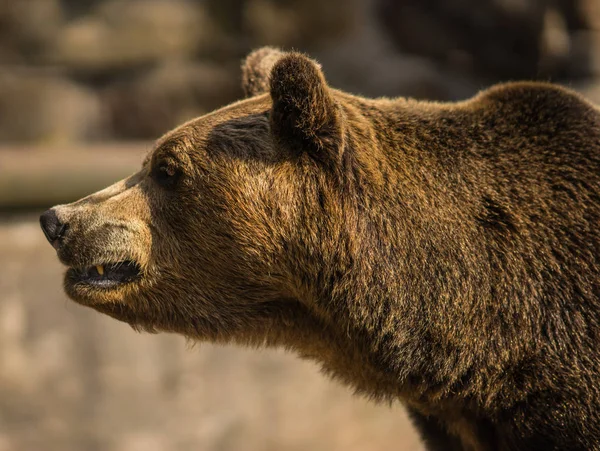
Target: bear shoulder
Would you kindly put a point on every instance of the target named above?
(537, 100)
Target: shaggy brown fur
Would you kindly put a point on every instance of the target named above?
(446, 255)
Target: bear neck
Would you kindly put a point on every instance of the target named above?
(391, 271)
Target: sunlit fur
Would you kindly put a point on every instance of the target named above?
(446, 255)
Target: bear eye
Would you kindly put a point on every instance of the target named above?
(166, 175)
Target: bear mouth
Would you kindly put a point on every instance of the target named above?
(108, 275)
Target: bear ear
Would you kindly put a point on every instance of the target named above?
(256, 70)
(305, 117)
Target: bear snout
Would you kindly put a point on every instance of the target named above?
(53, 228)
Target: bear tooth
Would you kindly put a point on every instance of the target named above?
(100, 269)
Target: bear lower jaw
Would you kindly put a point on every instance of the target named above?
(99, 284)
(105, 276)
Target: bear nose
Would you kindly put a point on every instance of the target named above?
(52, 227)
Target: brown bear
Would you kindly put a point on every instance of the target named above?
(447, 255)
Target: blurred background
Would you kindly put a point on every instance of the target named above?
(87, 85)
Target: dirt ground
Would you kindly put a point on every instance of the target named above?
(73, 380)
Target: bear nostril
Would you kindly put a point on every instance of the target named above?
(52, 227)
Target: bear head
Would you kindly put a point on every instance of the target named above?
(232, 226)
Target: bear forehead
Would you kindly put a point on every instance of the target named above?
(240, 129)
(239, 115)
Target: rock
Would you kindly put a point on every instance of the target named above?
(120, 33)
(173, 92)
(42, 106)
(498, 39)
(485, 36)
(27, 28)
(301, 24)
(366, 62)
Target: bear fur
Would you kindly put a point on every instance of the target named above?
(446, 255)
